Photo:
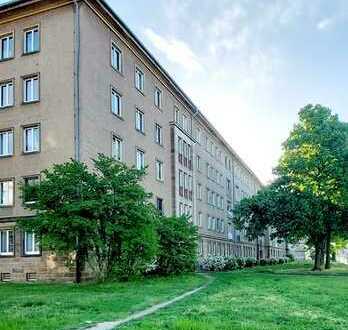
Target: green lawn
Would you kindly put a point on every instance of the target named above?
(269, 298)
(68, 306)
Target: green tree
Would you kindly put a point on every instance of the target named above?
(102, 216)
(64, 206)
(314, 161)
(177, 245)
(127, 220)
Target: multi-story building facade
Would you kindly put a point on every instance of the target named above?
(74, 82)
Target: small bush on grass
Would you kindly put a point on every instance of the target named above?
(177, 252)
(250, 262)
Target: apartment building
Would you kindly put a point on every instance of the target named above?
(74, 82)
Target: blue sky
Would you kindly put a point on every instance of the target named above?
(249, 65)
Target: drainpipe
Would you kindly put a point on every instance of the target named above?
(76, 80)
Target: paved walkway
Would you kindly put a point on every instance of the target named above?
(138, 315)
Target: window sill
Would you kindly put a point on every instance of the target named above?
(6, 107)
(140, 91)
(30, 102)
(7, 59)
(117, 116)
(120, 72)
(32, 255)
(141, 132)
(6, 156)
(7, 255)
(30, 152)
(6, 206)
(30, 53)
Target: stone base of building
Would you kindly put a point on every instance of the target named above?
(224, 247)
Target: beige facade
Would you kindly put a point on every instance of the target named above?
(83, 84)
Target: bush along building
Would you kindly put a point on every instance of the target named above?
(75, 82)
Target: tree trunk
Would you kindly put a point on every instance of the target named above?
(78, 267)
(318, 256)
(328, 250)
(79, 261)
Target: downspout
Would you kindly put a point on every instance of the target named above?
(76, 80)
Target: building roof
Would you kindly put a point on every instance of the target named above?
(103, 3)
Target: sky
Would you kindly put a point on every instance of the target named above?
(249, 65)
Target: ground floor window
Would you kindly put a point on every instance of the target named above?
(31, 244)
(6, 242)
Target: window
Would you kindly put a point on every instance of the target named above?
(139, 80)
(31, 89)
(177, 115)
(181, 183)
(158, 134)
(116, 57)
(31, 139)
(140, 159)
(29, 196)
(6, 243)
(6, 143)
(139, 121)
(185, 123)
(199, 191)
(158, 98)
(6, 47)
(117, 148)
(6, 193)
(116, 103)
(31, 40)
(6, 94)
(31, 244)
(199, 219)
(159, 205)
(159, 170)
(198, 162)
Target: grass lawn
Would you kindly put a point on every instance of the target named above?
(68, 306)
(269, 298)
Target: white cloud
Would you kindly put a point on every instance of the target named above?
(324, 24)
(176, 51)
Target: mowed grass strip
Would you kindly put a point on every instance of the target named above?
(70, 306)
(276, 297)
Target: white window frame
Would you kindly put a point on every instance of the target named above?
(116, 100)
(35, 140)
(159, 170)
(34, 249)
(9, 51)
(158, 98)
(158, 134)
(117, 148)
(6, 193)
(139, 121)
(116, 57)
(31, 49)
(140, 159)
(33, 95)
(6, 143)
(9, 250)
(139, 79)
(26, 180)
(6, 94)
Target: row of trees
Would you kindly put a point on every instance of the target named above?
(104, 218)
(309, 199)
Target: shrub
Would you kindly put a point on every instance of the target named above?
(250, 262)
(263, 262)
(231, 263)
(281, 261)
(213, 263)
(272, 261)
(241, 263)
(177, 251)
